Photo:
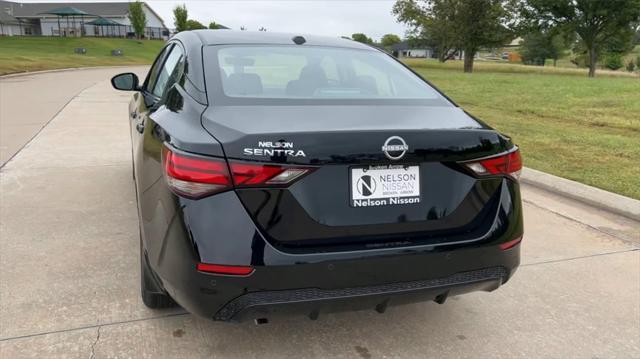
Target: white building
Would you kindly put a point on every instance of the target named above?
(9, 25)
(404, 49)
(18, 18)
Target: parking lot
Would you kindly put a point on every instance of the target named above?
(69, 284)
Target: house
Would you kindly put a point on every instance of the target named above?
(76, 19)
(405, 49)
(9, 25)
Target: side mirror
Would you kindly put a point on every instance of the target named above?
(125, 82)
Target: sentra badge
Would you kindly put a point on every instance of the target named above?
(274, 149)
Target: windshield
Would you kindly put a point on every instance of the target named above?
(308, 72)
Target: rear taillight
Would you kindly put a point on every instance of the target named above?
(256, 174)
(509, 164)
(195, 176)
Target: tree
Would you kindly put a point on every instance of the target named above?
(464, 24)
(180, 16)
(137, 18)
(359, 37)
(482, 23)
(538, 46)
(621, 43)
(430, 24)
(561, 43)
(597, 23)
(195, 25)
(389, 40)
(214, 26)
(534, 48)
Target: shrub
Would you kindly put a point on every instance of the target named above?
(613, 62)
(579, 60)
(631, 66)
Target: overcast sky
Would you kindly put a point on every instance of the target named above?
(321, 17)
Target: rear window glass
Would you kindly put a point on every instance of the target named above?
(306, 72)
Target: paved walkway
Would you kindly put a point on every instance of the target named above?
(28, 102)
(69, 284)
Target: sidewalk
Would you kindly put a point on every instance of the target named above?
(21, 117)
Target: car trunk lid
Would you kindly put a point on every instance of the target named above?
(343, 144)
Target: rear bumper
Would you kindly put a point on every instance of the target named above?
(313, 301)
(220, 231)
(338, 285)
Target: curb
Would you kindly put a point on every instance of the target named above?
(611, 202)
(27, 73)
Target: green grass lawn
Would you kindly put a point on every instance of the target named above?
(506, 67)
(587, 130)
(26, 53)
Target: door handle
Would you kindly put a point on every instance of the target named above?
(140, 127)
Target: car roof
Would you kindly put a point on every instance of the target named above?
(231, 37)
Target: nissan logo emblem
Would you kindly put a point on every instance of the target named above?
(395, 148)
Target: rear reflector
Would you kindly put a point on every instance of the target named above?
(509, 164)
(507, 245)
(224, 269)
(195, 176)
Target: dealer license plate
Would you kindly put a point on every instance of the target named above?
(385, 185)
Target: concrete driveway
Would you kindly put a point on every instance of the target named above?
(69, 284)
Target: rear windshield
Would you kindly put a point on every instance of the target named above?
(311, 72)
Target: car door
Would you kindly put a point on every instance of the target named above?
(161, 77)
(155, 215)
(138, 107)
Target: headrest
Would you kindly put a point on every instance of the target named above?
(243, 84)
(313, 74)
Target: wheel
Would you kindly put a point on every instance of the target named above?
(153, 296)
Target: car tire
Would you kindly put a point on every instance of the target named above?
(152, 295)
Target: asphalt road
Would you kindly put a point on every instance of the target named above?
(69, 284)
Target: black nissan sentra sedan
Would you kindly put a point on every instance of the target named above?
(280, 173)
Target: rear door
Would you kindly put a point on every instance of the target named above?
(162, 76)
